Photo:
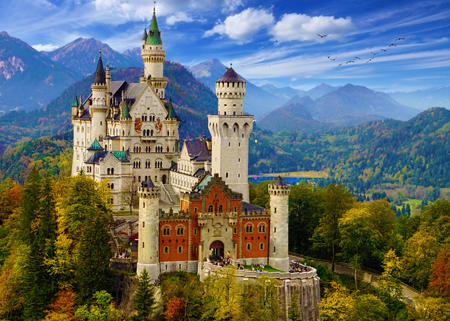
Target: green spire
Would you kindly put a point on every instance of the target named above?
(154, 35)
(145, 35)
(171, 113)
(75, 101)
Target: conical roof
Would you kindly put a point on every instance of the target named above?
(230, 76)
(144, 36)
(100, 77)
(279, 181)
(154, 35)
(75, 101)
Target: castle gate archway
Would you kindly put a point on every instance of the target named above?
(216, 250)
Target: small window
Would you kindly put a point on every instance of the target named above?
(210, 209)
(274, 248)
(195, 249)
(235, 230)
(143, 224)
(226, 175)
(249, 228)
(142, 244)
(261, 246)
(235, 209)
(274, 209)
(274, 229)
(180, 231)
(249, 246)
(180, 249)
(166, 231)
(195, 231)
(220, 208)
(166, 250)
(262, 228)
(195, 210)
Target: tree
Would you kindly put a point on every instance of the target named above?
(418, 255)
(294, 313)
(440, 276)
(128, 193)
(436, 220)
(336, 201)
(356, 236)
(143, 299)
(62, 309)
(429, 309)
(101, 309)
(266, 299)
(337, 304)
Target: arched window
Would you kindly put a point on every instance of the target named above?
(108, 171)
(180, 249)
(112, 171)
(261, 246)
(249, 246)
(262, 228)
(180, 230)
(220, 208)
(249, 228)
(166, 249)
(210, 209)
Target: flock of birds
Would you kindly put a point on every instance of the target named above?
(357, 58)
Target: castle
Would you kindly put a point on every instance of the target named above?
(193, 203)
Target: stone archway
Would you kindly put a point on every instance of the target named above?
(164, 179)
(217, 250)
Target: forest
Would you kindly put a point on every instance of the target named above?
(55, 251)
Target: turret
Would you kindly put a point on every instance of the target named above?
(98, 108)
(148, 243)
(126, 122)
(279, 225)
(172, 122)
(230, 91)
(230, 131)
(154, 56)
(75, 106)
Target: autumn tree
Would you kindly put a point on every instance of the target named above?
(440, 276)
(336, 200)
(101, 309)
(338, 303)
(418, 255)
(435, 218)
(62, 309)
(128, 193)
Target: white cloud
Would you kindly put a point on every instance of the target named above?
(178, 17)
(48, 47)
(232, 5)
(302, 27)
(243, 26)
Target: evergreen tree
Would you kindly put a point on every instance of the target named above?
(293, 313)
(143, 299)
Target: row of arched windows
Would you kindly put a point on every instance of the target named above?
(261, 228)
(148, 118)
(261, 246)
(110, 171)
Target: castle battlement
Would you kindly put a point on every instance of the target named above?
(149, 192)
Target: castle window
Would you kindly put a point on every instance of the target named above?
(229, 144)
(195, 231)
(139, 178)
(195, 249)
(180, 230)
(112, 172)
(235, 230)
(226, 175)
(101, 123)
(180, 249)
(262, 228)
(224, 112)
(112, 185)
(195, 210)
(239, 145)
(112, 200)
(210, 209)
(274, 229)
(234, 113)
(274, 209)
(78, 129)
(143, 205)
(142, 244)
(261, 246)
(242, 135)
(249, 228)
(143, 223)
(220, 208)
(239, 175)
(235, 209)
(249, 246)
(274, 248)
(166, 231)
(239, 160)
(166, 249)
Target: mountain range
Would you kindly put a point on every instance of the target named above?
(425, 98)
(28, 78)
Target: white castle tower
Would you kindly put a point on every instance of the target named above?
(230, 130)
(154, 56)
(99, 107)
(279, 225)
(148, 243)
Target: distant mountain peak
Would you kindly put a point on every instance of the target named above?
(4, 33)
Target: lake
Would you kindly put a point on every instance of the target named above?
(288, 180)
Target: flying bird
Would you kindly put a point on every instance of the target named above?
(339, 65)
(357, 58)
(322, 36)
(374, 53)
(333, 59)
(349, 62)
(384, 49)
(399, 39)
(392, 44)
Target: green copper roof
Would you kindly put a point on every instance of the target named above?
(95, 146)
(144, 36)
(75, 101)
(120, 155)
(125, 110)
(171, 113)
(202, 183)
(100, 77)
(154, 35)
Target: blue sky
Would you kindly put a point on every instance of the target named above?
(268, 42)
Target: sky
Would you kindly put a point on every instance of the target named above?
(285, 43)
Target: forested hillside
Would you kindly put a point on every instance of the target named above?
(413, 152)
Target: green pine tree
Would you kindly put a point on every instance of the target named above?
(144, 301)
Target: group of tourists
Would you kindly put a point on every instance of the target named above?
(295, 267)
(121, 254)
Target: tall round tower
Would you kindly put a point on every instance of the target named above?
(148, 244)
(98, 108)
(153, 55)
(230, 131)
(279, 225)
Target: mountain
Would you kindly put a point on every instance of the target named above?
(284, 93)
(294, 115)
(414, 152)
(82, 55)
(28, 79)
(425, 98)
(319, 91)
(257, 102)
(352, 105)
(134, 53)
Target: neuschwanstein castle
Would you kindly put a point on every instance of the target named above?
(192, 203)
